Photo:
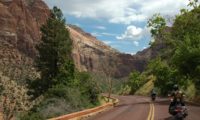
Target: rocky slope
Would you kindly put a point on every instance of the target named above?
(88, 52)
(20, 22)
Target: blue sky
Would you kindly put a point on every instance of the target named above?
(118, 23)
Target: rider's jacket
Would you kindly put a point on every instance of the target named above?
(177, 96)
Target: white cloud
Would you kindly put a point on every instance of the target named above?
(144, 47)
(77, 24)
(97, 34)
(108, 42)
(108, 34)
(136, 43)
(100, 27)
(152, 40)
(130, 53)
(128, 19)
(119, 11)
(133, 33)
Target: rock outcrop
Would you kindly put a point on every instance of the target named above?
(88, 52)
(20, 22)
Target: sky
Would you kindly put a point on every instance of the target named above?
(121, 24)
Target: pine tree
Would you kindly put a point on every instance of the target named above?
(54, 61)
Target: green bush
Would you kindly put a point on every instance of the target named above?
(59, 91)
(136, 80)
(88, 87)
(62, 99)
(31, 116)
(166, 76)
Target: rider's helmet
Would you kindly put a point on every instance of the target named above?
(175, 87)
(153, 91)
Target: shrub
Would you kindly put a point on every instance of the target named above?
(136, 80)
(13, 98)
(31, 116)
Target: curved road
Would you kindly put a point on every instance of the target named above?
(141, 108)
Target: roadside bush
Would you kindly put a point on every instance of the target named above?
(53, 107)
(88, 87)
(62, 99)
(136, 80)
(13, 98)
(102, 85)
(59, 91)
(31, 116)
(166, 76)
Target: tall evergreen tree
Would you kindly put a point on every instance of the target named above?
(54, 61)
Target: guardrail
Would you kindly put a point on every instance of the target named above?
(88, 112)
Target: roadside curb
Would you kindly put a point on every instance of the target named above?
(88, 112)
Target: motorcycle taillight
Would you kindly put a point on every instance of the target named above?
(178, 109)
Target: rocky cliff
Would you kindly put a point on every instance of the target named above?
(20, 22)
(88, 52)
(93, 55)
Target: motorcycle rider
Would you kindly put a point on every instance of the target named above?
(153, 94)
(177, 96)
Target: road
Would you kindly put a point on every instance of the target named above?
(141, 108)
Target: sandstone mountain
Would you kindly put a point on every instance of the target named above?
(93, 55)
(20, 22)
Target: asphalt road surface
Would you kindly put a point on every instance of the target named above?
(141, 108)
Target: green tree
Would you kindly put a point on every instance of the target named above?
(186, 35)
(156, 24)
(180, 58)
(186, 25)
(54, 61)
(166, 76)
(187, 58)
(87, 86)
(193, 3)
(135, 81)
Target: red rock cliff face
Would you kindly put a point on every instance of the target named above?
(20, 22)
(88, 52)
(92, 55)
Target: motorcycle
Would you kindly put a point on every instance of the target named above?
(153, 96)
(178, 110)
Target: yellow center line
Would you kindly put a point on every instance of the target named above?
(151, 112)
(153, 109)
(149, 116)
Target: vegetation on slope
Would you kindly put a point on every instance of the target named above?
(64, 89)
(179, 61)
